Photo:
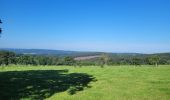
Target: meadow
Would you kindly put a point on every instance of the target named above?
(85, 83)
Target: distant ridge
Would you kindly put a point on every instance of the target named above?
(47, 52)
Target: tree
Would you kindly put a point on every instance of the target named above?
(154, 60)
(105, 58)
(69, 60)
(168, 62)
(42, 60)
(110, 61)
(55, 61)
(7, 57)
(4, 58)
(101, 62)
(11, 58)
(136, 61)
(79, 63)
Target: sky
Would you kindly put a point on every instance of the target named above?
(140, 26)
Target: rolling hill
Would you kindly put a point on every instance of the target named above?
(81, 54)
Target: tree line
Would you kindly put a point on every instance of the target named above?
(7, 58)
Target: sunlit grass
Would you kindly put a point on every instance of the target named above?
(114, 82)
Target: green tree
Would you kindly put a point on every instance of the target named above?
(11, 58)
(6, 57)
(168, 62)
(136, 61)
(79, 63)
(42, 60)
(55, 61)
(154, 60)
(69, 60)
(105, 58)
(101, 62)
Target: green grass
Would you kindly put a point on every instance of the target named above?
(86, 83)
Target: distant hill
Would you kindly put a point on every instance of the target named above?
(81, 55)
(46, 52)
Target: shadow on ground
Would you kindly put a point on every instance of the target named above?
(40, 84)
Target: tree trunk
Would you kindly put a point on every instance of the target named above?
(156, 64)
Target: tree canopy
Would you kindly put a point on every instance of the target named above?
(7, 57)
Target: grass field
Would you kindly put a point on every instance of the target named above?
(85, 83)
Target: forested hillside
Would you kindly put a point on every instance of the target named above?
(78, 59)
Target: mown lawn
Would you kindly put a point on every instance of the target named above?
(85, 83)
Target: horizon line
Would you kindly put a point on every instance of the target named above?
(85, 50)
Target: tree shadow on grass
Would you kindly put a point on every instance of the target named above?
(40, 84)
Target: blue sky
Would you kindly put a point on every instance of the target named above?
(141, 26)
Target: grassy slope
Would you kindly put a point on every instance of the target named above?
(121, 82)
